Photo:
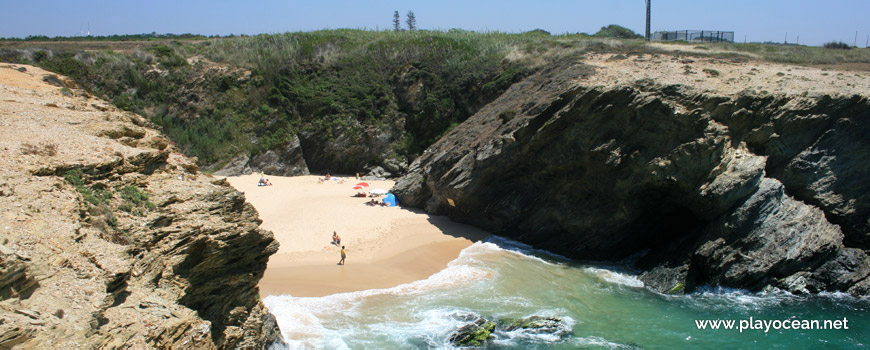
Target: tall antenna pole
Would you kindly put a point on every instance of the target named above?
(647, 19)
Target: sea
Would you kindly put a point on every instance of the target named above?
(601, 306)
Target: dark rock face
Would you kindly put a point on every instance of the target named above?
(353, 148)
(744, 191)
(237, 166)
(286, 162)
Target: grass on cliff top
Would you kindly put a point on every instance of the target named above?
(335, 83)
(789, 54)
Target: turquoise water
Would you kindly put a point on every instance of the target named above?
(603, 307)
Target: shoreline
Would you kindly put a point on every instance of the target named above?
(386, 246)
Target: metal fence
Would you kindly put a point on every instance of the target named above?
(695, 35)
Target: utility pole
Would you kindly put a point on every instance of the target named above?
(855, 43)
(786, 38)
(647, 19)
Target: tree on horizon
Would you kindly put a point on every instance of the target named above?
(412, 21)
(396, 21)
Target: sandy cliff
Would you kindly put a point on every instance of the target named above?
(111, 238)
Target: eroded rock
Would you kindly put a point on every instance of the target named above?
(739, 190)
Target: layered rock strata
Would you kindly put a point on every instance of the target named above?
(698, 186)
(113, 239)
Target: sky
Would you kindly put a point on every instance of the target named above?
(809, 22)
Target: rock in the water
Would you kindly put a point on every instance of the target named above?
(473, 334)
(769, 236)
(536, 325)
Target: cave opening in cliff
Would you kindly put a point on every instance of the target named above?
(665, 229)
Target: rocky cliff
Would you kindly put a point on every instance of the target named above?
(703, 171)
(113, 239)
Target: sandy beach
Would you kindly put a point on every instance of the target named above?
(386, 246)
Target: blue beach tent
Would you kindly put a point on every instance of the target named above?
(390, 200)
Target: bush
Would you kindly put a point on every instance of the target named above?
(711, 72)
(617, 31)
(837, 45)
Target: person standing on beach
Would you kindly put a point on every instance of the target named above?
(343, 255)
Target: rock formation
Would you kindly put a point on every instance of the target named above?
(710, 183)
(111, 238)
(287, 162)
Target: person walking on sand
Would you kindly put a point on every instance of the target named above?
(343, 255)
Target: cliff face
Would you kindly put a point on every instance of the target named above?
(111, 238)
(708, 184)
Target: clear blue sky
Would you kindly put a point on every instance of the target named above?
(815, 21)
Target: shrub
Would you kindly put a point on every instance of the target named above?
(617, 31)
(711, 72)
(837, 45)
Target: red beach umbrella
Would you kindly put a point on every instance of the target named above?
(358, 187)
(363, 184)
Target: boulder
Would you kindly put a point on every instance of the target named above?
(475, 333)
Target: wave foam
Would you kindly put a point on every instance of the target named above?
(616, 277)
(298, 317)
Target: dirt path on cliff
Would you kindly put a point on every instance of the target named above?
(386, 247)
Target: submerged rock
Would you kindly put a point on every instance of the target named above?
(536, 325)
(472, 334)
(479, 330)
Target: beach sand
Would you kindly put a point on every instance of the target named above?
(386, 246)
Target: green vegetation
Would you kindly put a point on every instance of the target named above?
(221, 97)
(99, 202)
(677, 288)
(837, 45)
(326, 83)
(616, 31)
(711, 72)
(135, 201)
